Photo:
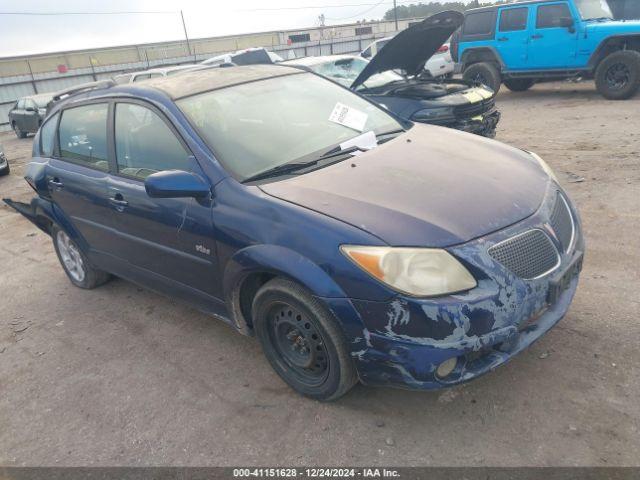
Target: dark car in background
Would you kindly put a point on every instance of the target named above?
(28, 113)
(395, 78)
(4, 163)
(356, 246)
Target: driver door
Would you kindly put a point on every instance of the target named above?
(168, 240)
(552, 45)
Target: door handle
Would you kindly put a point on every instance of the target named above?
(119, 202)
(56, 183)
(503, 39)
(537, 36)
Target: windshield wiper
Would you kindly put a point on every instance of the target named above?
(293, 166)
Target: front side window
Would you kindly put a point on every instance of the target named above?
(260, 125)
(594, 9)
(513, 19)
(48, 135)
(145, 144)
(139, 78)
(549, 16)
(480, 23)
(82, 135)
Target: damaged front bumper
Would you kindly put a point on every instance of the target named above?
(405, 339)
(484, 124)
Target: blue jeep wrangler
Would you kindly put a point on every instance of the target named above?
(522, 43)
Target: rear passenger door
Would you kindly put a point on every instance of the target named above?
(513, 37)
(552, 45)
(169, 240)
(77, 172)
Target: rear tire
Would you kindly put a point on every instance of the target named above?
(302, 341)
(519, 84)
(5, 171)
(19, 133)
(74, 263)
(484, 73)
(618, 75)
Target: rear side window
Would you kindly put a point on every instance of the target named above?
(145, 144)
(480, 23)
(139, 78)
(549, 15)
(513, 19)
(83, 135)
(47, 136)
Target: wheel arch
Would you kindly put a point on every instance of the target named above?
(612, 44)
(250, 268)
(481, 54)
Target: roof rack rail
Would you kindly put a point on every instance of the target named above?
(83, 87)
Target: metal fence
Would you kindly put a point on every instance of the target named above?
(22, 77)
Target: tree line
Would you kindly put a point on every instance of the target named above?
(427, 9)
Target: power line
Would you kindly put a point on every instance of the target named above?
(359, 14)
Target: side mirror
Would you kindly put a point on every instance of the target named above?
(176, 184)
(567, 22)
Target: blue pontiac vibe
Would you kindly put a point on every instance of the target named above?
(354, 245)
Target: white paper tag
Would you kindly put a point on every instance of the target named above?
(365, 141)
(349, 117)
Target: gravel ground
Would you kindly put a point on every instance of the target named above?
(122, 376)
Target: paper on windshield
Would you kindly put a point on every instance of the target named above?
(365, 141)
(349, 117)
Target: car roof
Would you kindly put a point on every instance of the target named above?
(311, 61)
(41, 96)
(519, 3)
(200, 81)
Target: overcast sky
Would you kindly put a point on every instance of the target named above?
(27, 34)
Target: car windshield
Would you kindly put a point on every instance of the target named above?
(257, 126)
(346, 70)
(593, 9)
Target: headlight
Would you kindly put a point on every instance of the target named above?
(547, 169)
(416, 271)
(430, 114)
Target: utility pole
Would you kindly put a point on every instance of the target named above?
(184, 26)
(395, 13)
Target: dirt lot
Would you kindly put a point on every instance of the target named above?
(122, 376)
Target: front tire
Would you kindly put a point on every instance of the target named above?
(74, 263)
(484, 73)
(519, 84)
(618, 75)
(5, 171)
(302, 341)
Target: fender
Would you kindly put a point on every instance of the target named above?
(484, 51)
(43, 213)
(600, 52)
(272, 260)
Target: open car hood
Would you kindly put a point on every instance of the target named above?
(410, 49)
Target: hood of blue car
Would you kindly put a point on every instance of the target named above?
(410, 49)
(431, 186)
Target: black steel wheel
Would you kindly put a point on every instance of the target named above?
(302, 340)
(298, 343)
(618, 75)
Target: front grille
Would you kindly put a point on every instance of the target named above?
(464, 112)
(528, 255)
(562, 222)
